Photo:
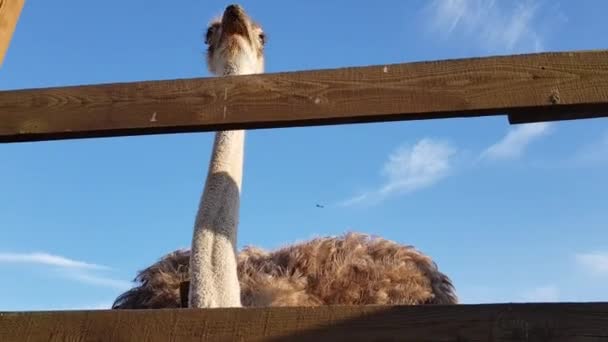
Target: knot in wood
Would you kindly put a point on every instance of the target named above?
(555, 98)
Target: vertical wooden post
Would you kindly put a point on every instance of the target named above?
(9, 15)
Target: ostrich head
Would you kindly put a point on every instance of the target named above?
(235, 44)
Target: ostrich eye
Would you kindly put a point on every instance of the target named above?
(263, 38)
(209, 35)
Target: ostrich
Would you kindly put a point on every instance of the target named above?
(349, 269)
(235, 47)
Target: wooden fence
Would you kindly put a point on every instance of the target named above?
(526, 88)
(489, 322)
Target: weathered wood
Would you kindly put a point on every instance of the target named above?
(495, 322)
(10, 10)
(542, 86)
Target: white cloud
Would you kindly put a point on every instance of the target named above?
(410, 168)
(98, 306)
(354, 200)
(548, 293)
(515, 141)
(418, 166)
(47, 259)
(105, 305)
(595, 262)
(102, 281)
(497, 26)
(79, 271)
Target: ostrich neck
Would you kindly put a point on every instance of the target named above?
(213, 267)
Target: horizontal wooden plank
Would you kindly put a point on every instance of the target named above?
(10, 11)
(491, 322)
(531, 87)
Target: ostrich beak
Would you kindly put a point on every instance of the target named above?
(235, 20)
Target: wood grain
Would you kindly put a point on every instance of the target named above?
(490, 322)
(547, 86)
(10, 11)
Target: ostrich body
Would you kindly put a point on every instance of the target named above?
(350, 269)
(353, 269)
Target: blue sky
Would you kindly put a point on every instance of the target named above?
(510, 213)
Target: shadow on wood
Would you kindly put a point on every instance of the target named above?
(515, 322)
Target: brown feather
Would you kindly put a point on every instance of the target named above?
(354, 269)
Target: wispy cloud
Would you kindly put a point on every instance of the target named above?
(410, 168)
(548, 293)
(413, 167)
(103, 281)
(595, 263)
(497, 26)
(515, 142)
(354, 200)
(107, 305)
(48, 259)
(100, 305)
(80, 271)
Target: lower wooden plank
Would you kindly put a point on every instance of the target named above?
(491, 322)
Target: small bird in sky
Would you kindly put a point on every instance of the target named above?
(320, 206)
